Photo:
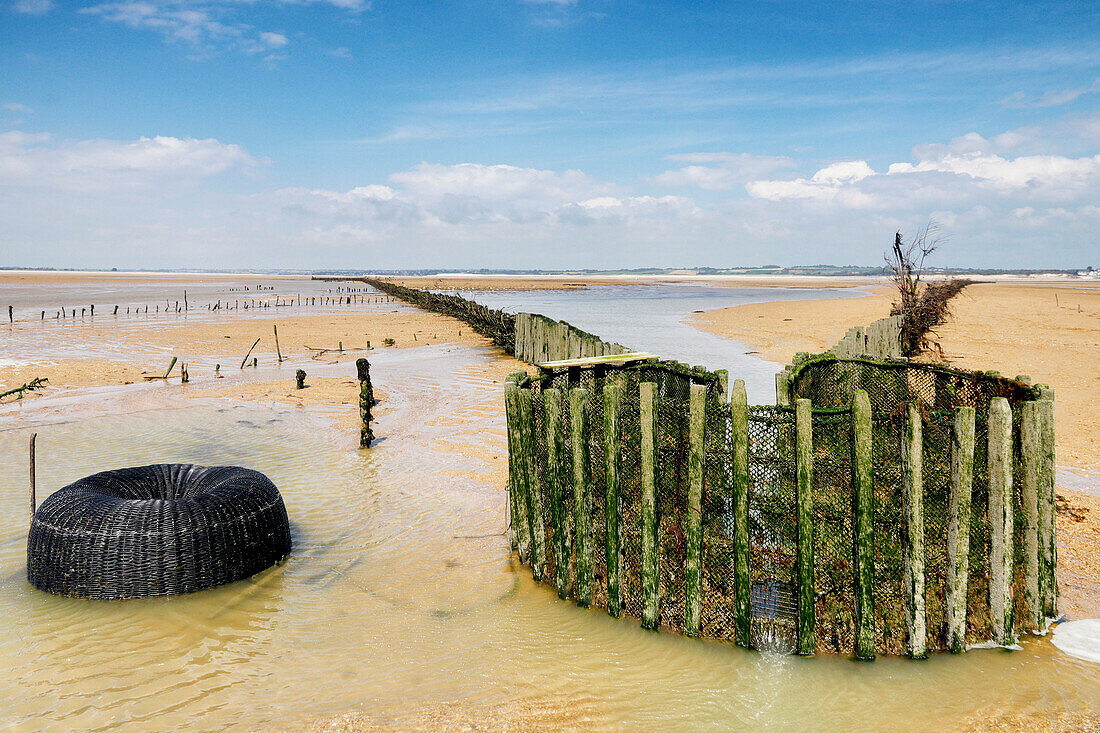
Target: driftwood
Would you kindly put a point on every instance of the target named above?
(31, 386)
(245, 359)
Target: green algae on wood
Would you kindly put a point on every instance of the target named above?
(739, 460)
(651, 602)
(532, 494)
(612, 403)
(556, 474)
(804, 454)
(864, 526)
(693, 513)
(1000, 520)
(958, 527)
(582, 495)
(912, 528)
(366, 401)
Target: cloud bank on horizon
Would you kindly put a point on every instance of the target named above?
(552, 134)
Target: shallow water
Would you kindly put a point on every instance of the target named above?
(652, 318)
(401, 595)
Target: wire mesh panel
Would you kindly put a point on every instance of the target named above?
(833, 567)
(773, 530)
(719, 592)
(887, 433)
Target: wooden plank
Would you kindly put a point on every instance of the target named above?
(693, 513)
(913, 534)
(739, 452)
(582, 495)
(863, 488)
(651, 602)
(612, 431)
(1000, 520)
(615, 359)
(958, 527)
(804, 452)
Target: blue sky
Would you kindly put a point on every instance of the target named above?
(555, 134)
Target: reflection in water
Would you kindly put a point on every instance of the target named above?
(400, 597)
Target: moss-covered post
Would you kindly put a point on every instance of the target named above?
(532, 493)
(556, 472)
(958, 527)
(520, 530)
(1048, 552)
(863, 489)
(723, 385)
(739, 473)
(366, 401)
(1000, 520)
(300, 379)
(612, 400)
(1038, 462)
(651, 602)
(804, 453)
(912, 529)
(693, 514)
(582, 494)
(782, 388)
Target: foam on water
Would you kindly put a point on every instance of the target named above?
(1080, 639)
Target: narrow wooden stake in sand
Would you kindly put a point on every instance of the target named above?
(804, 452)
(1000, 520)
(34, 502)
(278, 351)
(582, 495)
(651, 599)
(912, 527)
(863, 488)
(556, 478)
(612, 400)
(693, 513)
(958, 527)
(1036, 498)
(366, 402)
(739, 460)
(245, 359)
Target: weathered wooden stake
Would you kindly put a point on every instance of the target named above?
(864, 525)
(912, 530)
(278, 351)
(520, 533)
(245, 359)
(582, 495)
(171, 366)
(533, 495)
(693, 514)
(300, 379)
(1030, 450)
(612, 400)
(556, 473)
(739, 460)
(958, 527)
(1048, 551)
(34, 502)
(651, 600)
(1000, 520)
(807, 640)
(366, 401)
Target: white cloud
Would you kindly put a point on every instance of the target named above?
(1049, 98)
(36, 160)
(18, 108)
(33, 7)
(834, 183)
(717, 171)
(273, 40)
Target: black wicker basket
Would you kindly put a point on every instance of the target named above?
(156, 530)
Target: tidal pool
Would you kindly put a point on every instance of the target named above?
(401, 596)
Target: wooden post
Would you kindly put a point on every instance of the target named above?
(1048, 552)
(651, 601)
(693, 513)
(958, 527)
(864, 525)
(612, 400)
(245, 359)
(582, 495)
(556, 474)
(739, 452)
(278, 351)
(782, 388)
(1000, 520)
(366, 401)
(912, 530)
(300, 379)
(723, 385)
(517, 490)
(805, 467)
(533, 494)
(34, 501)
(1030, 449)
